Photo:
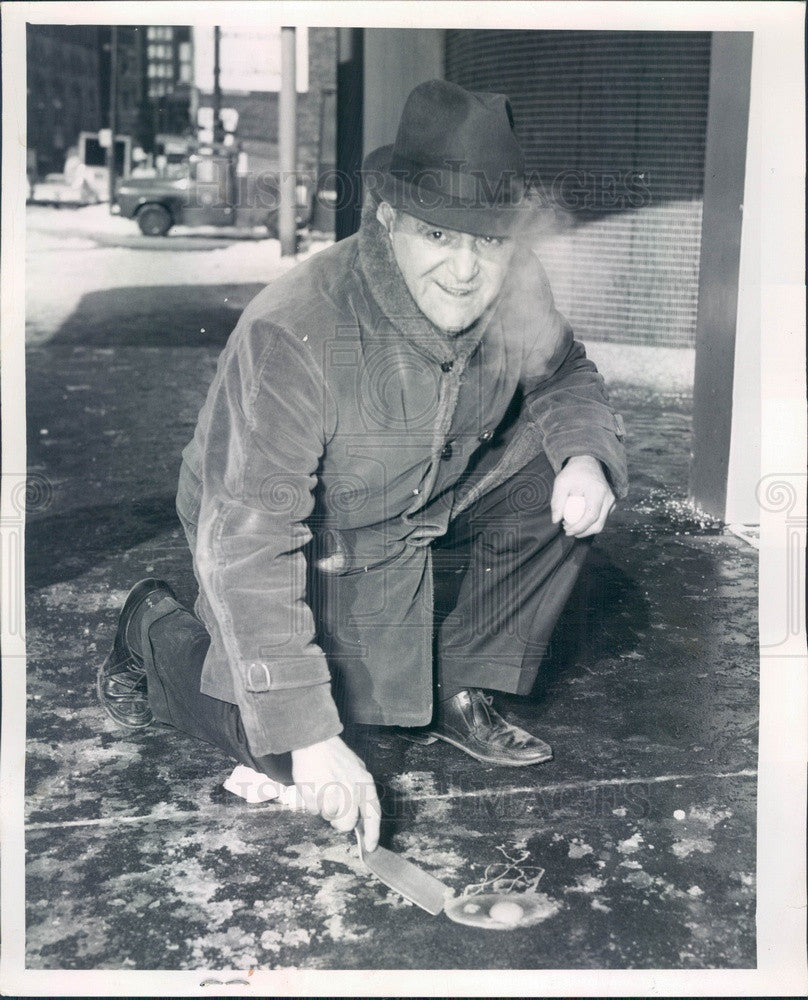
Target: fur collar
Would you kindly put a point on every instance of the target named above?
(388, 288)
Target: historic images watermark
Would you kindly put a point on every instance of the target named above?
(781, 498)
(22, 495)
(569, 190)
(586, 800)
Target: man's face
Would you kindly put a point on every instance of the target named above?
(452, 276)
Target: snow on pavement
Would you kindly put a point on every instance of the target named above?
(64, 262)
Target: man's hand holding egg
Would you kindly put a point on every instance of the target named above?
(582, 497)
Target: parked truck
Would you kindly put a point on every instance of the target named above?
(213, 186)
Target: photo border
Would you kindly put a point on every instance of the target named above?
(776, 202)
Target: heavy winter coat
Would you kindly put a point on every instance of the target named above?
(325, 461)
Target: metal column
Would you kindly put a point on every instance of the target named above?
(218, 131)
(724, 171)
(287, 143)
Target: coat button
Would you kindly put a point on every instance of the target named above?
(447, 366)
(486, 436)
(447, 450)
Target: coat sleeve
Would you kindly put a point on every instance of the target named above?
(565, 396)
(268, 429)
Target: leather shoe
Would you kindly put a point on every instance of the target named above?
(470, 722)
(121, 680)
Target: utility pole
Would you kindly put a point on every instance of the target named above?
(287, 144)
(218, 130)
(113, 111)
(193, 103)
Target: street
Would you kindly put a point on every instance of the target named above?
(639, 835)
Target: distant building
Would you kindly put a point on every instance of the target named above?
(167, 71)
(63, 90)
(130, 89)
(69, 75)
(250, 83)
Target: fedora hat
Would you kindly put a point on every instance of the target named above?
(456, 161)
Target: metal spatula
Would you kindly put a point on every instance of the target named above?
(405, 878)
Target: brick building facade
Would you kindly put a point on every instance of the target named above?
(63, 90)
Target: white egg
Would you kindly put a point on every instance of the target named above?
(574, 509)
(506, 912)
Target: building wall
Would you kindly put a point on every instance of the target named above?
(613, 127)
(166, 82)
(131, 90)
(395, 61)
(131, 96)
(63, 90)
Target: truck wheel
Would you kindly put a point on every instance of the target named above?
(154, 220)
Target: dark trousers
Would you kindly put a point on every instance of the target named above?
(174, 644)
(502, 575)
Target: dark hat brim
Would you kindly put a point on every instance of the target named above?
(475, 215)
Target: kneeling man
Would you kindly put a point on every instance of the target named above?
(391, 487)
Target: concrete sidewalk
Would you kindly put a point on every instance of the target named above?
(640, 834)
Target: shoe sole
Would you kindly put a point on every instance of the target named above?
(422, 739)
(432, 736)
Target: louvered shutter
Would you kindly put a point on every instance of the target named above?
(613, 127)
